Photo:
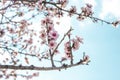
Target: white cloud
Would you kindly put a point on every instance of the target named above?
(111, 7)
(64, 25)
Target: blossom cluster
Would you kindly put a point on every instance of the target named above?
(86, 12)
(72, 10)
(48, 34)
(73, 44)
(19, 38)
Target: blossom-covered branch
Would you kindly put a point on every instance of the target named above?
(29, 39)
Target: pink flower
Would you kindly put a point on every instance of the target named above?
(68, 55)
(87, 11)
(79, 39)
(89, 5)
(11, 30)
(80, 17)
(52, 44)
(46, 21)
(63, 59)
(72, 10)
(75, 45)
(43, 22)
(67, 49)
(40, 5)
(42, 35)
(63, 2)
(30, 41)
(67, 44)
(56, 52)
(40, 1)
(53, 35)
(43, 42)
(24, 23)
(51, 27)
(86, 59)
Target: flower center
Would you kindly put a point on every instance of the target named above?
(54, 34)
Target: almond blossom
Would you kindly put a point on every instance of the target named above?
(40, 43)
(67, 49)
(87, 11)
(52, 44)
(42, 34)
(75, 45)
(79, 39)
(50, 27)
(46, 21)
(53, 35)
(63, 2)
(72, 10)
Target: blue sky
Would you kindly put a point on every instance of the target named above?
(101, 43)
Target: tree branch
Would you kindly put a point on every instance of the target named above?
(20, 67)
(91, 17)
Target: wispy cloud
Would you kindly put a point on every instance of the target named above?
(110, 7)
(63, 24)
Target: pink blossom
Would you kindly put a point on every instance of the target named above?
(42, 35)
(30, 41)
(63, 59)
(40, 6)
(67, 44)
(67, 49)
(68, 56)
(40, 1)
(43, 22)
(52, 44)
(72, 10)
(80, 17)
(53, 35)
(79, 39)
(86, 59)
(75, 45)
(56, 52)
(89, 5)
(24, 23)
(11, 30)
(63, 2)
(51, 27)
(46, 21)
(43, 42)
(87, 11)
